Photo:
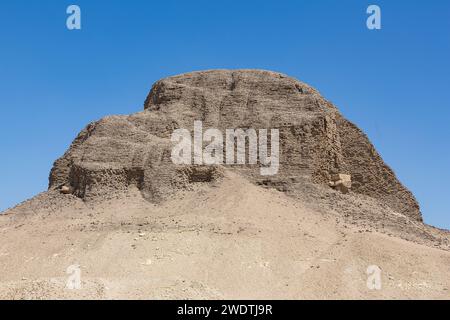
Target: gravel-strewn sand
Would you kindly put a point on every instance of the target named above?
(230, 239)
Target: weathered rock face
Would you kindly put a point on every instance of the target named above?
(316, 142)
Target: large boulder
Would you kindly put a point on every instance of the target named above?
(341, 182)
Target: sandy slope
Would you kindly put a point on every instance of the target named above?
(231, 240)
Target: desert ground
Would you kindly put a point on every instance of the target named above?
(232, 240)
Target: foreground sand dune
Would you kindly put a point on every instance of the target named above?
(229, 240)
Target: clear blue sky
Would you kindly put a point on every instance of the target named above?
(393, 83)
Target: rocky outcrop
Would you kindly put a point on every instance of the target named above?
(316, 142)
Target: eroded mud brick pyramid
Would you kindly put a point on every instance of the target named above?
(316, 141)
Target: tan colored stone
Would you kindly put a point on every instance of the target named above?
(65, 190)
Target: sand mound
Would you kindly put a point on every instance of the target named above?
(230, 240)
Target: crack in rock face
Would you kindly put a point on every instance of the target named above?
(316, 141)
